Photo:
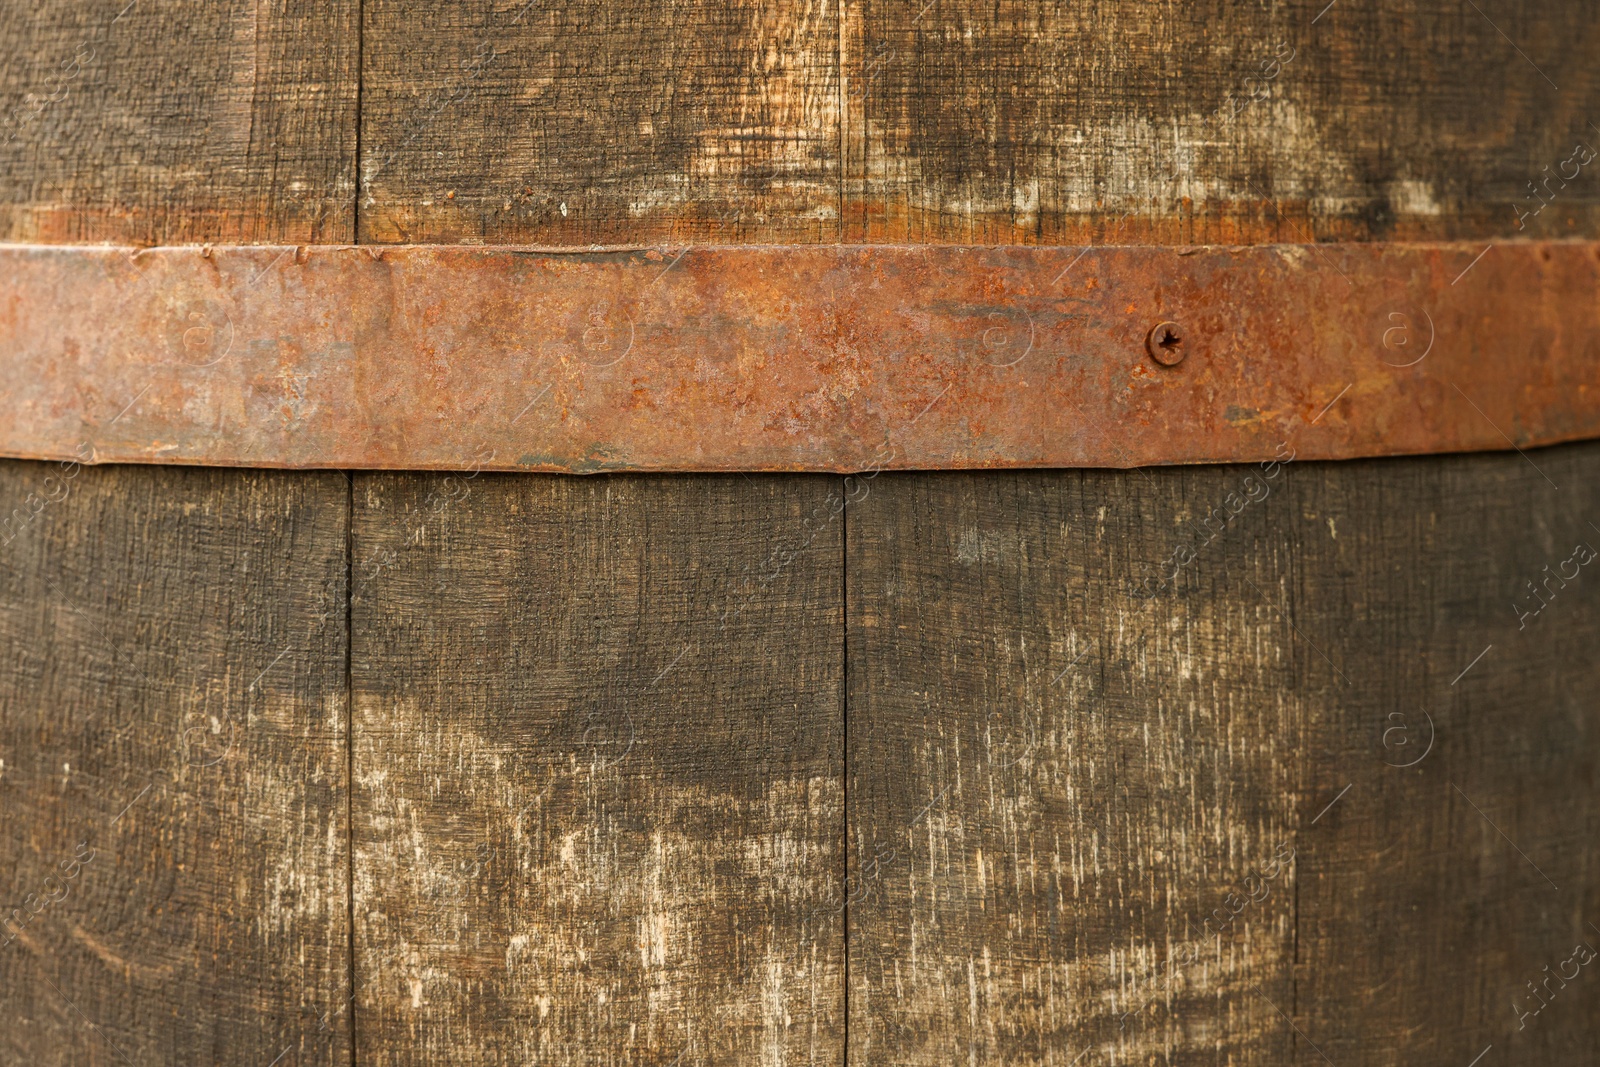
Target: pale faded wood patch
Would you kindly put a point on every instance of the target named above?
(599, 762)
(172, 698)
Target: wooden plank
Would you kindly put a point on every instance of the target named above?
(1021, 121)
(599, 122)
(1052, 784)
(176, 639)
(599, 756)
(1078, 719)
(957, 121)
(1432, 895)
(157, 122)
(173, 866)
(953, 121)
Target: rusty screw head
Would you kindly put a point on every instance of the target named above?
(1165, 343)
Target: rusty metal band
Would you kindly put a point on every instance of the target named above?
(831, 358)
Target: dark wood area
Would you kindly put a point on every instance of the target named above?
(172, 766)
(1114, 787)
(600, 123)
(1431, 896)
(982, 123)
(950, 121)
(1216, 122)
(156, 122)
(600, 756)
(1065, 760)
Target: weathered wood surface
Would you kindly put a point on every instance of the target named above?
(1058, 770)
(960, 121)
(799, 121)
(157, 122)
(1033, 836)
(1431, 896)
(596, 122)
(1052, 784)
(1215, 122)
(1063, 759)
(173, 867)
(599, 765)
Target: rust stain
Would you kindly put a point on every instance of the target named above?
(836, 358)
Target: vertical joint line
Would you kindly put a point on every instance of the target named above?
(361, 74)
(844, 711)
(350, 755)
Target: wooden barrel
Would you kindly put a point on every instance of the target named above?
(1207, 714)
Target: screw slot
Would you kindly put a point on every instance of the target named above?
(1165, 343)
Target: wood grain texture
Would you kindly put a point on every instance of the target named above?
(975, 121)
(595, 121)
(1056, 775)
(173, 866)
(1052, 784)
(599, 752)
(797, 121)
(156, 122)
(956, 121)
(1431, 896)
